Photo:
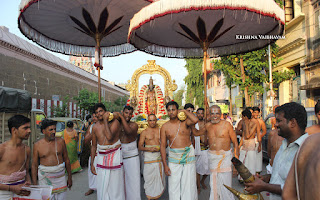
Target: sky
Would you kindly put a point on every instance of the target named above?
(117, 69)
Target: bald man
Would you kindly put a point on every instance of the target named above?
(220, 134)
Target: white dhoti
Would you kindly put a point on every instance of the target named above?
(258, 157)
(110, 176)
(202, 160)
(91, 176)
(6, 195)
(131, 164)
(248, 155)
(54, 176)
(16, 178)
(154, 180)
(182, 182)
(221, 173)
(269, 169)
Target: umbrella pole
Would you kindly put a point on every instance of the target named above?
(97, 62)
(205, 56)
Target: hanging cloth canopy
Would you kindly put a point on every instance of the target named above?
(184, 28)
(63, 25)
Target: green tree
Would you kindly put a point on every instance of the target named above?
(86, 101)
(62, 111)
(178, 95)
(256, 70)
(194, 82)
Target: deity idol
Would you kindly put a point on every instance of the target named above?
(151, 99)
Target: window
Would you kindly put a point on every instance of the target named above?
(289, 10)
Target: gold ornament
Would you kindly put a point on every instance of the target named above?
(182, 116)
(110, 117)
(242, 196)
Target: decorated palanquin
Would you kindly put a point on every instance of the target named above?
(142, 106)
(139, 98)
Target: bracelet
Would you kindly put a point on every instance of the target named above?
(9, 188)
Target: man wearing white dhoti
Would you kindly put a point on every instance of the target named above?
(181, 169)
(220, 134)
(14, 159)
(109, 164)
(262, 132)
(53, 156)
(131, 161)
(153, 174)
(109, 181)
(201, 152)
(91, 176)
(251, 129)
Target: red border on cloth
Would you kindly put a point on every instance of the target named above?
(108, 151)
(111, 167)
(202, 8)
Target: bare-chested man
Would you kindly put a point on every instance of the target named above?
(182, 168)
(131, 161)
(262, 132)
(273, 119)
(106, 143)
(201, 152)
(304, 176)
(54, 161)
(274, 143)
(220, 134)
(251, 129)
(291, 121)
(14, 159)
(154, 180)
(88, 141)
(315, 128)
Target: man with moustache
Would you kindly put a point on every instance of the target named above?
(14, 159)
(131, 161)
(304, 176)
(181, 169)
(201, 152)
(153, 174)
(291, 122)
(220, 134)
(54, 161)
(106, 143)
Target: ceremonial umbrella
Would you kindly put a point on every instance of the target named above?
(179, 28)
(80, 27)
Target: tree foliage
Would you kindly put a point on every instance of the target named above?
(86, 101)
(178, 95)
(62, 111)
(194, 81)
(256, 68)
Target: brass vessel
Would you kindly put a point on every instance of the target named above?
(182, 116)
(245, 174)
(110, 117)
(242, 196)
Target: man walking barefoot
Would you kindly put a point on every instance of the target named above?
(153, 173)
(181, 169)
(54, 161)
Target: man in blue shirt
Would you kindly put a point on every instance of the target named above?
(291, 122)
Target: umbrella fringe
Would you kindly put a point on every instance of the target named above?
(69, 49)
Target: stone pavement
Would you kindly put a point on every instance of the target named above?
(80, 186)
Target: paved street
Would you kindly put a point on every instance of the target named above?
(80, 186)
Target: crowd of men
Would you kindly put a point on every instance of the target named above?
(183, 150)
